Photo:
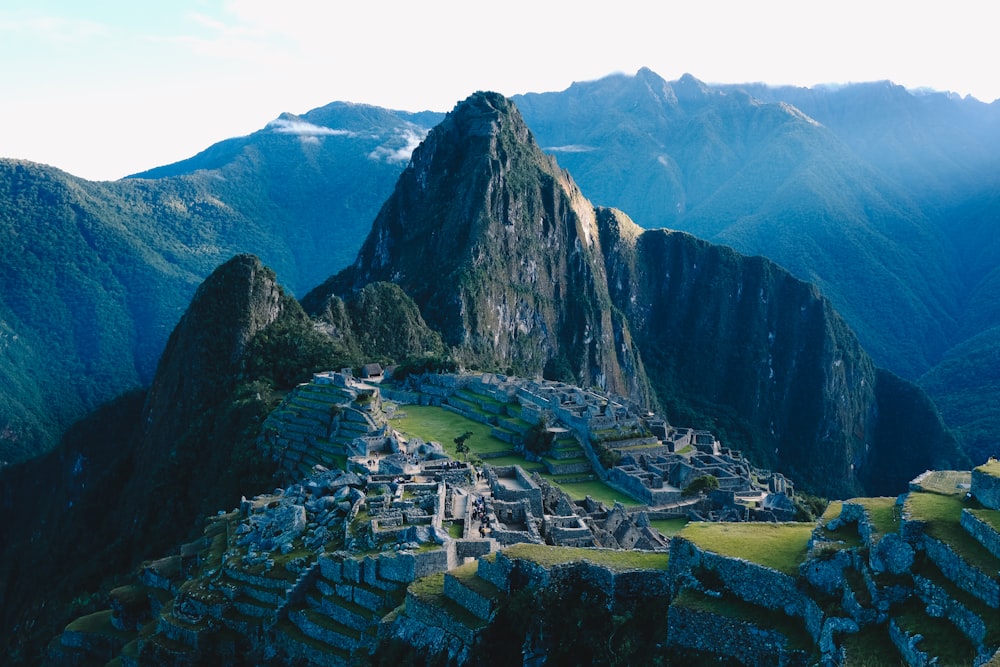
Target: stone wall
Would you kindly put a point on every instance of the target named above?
(907, 645)
(943, 605)
(968, 578)
(436, 616)
(986, 488)
(479, 605)
(751, 582)
(495, 570)
(984, 533)
(532, 493)
(420, 634)
(739, 639)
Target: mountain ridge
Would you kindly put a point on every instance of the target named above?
(676, 299)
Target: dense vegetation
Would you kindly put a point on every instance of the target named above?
(132, 480)
(95, 275)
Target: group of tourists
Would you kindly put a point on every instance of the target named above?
(479, 514)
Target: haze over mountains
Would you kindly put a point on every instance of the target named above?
(884, 198)
(487, 251)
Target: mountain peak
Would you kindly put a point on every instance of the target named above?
(689, 88)
(498, 248)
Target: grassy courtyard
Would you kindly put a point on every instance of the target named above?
(432, 423)
(780, 546)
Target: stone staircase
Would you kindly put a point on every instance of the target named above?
(314, 426)
(339, 610)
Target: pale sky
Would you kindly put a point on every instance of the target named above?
(105, 88)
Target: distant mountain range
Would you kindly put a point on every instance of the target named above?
(885, 198)
(488, 255)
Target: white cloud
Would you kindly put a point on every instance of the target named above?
(392, 152)
(571, 148)
(302, 128)
(52, 29)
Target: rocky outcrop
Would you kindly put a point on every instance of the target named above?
(501, 252)
(728, 330)
(178, 457)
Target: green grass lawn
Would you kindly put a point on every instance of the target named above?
(669, 527)
(883, 513)
(781, 546)
(432, 423)
(991, 467)
(943, 515)
(613, 559)
(595, 489)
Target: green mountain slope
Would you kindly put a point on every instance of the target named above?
(95, 275)
(765, 179)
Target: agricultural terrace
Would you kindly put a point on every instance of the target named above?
(846, 536)
(669, 527)
(945, 482)
(430, 423)
(780, 546)
(613, 559)
(883, 514)
(991, 467)
(942, 516)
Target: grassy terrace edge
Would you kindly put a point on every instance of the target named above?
(779, 546)
(617, 561)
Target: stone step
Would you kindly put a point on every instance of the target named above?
(180, 631)
(987, 533)
(470, 591)
(254, 579)
(343, 611)
(563, 453)
(567, 468)
(301, 648)
(239, 622)
(160, 649)
(325, 629)
(250, 607)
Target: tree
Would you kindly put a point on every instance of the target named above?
(461, 447)
(702, 484)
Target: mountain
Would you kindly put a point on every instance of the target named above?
(885, 198)
(96, 275)
(488, 254)
(504, 256)
(133, 478)
(765, 178)
(500, 251)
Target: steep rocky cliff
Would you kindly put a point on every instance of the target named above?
(740, 337)
(211, 391)
(501, 252)
(516, 269)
